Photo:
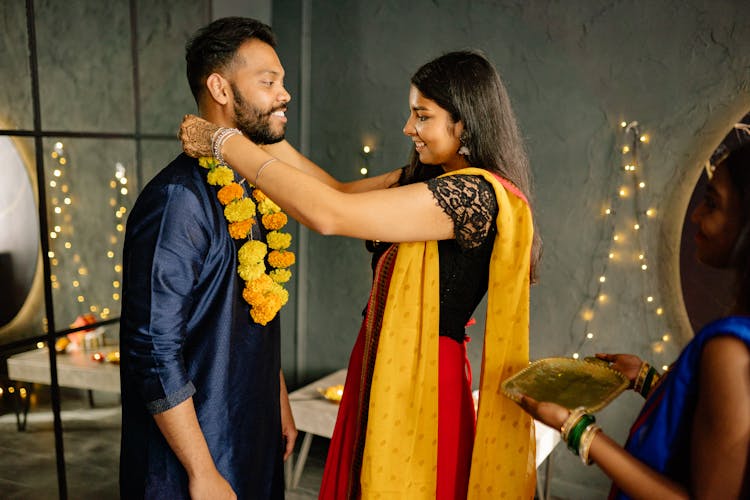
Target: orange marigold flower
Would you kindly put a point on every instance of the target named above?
(281, 259)
(229, 193)
(274, 221)
(239, 230)
(259, 195)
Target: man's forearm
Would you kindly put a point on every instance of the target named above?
(181, 429)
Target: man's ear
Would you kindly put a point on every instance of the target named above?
(218, 88)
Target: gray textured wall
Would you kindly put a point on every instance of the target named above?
(574, 71)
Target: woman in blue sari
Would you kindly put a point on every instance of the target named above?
(692, 438)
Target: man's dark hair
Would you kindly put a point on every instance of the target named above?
(213, 47)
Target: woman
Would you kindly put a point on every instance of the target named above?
(692, 438)
(462, 225)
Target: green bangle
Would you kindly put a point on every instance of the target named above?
(574, 437)
(647, 381)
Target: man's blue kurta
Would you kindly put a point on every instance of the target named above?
(186, 331)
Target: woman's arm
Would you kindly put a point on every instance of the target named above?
(721, 427)
(407, 213)
(629, 474)
(286, 153)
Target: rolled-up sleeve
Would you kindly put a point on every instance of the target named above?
(165, 246)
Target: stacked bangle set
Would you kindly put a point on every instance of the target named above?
(646, 380)
(578, 432)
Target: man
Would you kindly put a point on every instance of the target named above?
(205, 410)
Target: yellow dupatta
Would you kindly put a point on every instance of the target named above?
(400, 455)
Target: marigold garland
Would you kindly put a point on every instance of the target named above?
(263, 291)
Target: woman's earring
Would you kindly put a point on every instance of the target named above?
(464, 149)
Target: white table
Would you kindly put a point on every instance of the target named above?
(75, 369)
(316, 416)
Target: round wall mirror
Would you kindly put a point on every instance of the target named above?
(19, 232)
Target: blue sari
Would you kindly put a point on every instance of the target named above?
(660, 436)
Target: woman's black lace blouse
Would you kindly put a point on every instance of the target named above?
(464, 261)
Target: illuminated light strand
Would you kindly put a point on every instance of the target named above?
(631, 189)
(364, 171)
(118, 202)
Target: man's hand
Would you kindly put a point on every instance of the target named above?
(288, 428)
(210, 486)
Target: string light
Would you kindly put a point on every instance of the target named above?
(62, 201)
(629, 195)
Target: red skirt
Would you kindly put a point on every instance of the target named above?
(456, 425)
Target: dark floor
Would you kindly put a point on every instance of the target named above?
(91, 443)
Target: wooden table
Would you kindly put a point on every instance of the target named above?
(75, 369)
(316, 416)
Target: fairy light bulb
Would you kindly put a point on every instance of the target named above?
(650, 212)
(641, 185)
(623, 124)
(589, 335)
(575, 355)
(602, 279)
(636, 226)
(649, 299)
(366, 150)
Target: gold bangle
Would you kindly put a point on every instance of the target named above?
(586, 439)
(571, 421)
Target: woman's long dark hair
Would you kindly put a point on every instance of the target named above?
(737, 164)
(465, 84)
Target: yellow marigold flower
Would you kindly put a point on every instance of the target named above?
(220, 176)
(274, 221)
(281, 259)
(252, 252)
(280, 275)
(268, 207)
(207, 162)
(240, 229)
(259, 195)
(250, 272)
(229, 193)
(278, 241)
(238, 210)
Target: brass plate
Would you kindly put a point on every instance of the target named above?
(568, 382)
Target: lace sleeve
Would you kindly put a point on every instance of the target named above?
(470, 201)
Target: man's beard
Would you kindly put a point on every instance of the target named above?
(253, 122)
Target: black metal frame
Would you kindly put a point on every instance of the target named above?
(38, 135)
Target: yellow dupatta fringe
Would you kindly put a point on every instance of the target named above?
(400, 455)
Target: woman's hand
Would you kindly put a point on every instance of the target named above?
(627, 364)
(551, 414)
(196, 134)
